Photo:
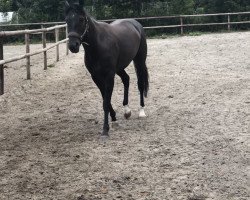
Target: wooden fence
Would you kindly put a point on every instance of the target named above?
(181, 18)
(228, 23)
(28, 53)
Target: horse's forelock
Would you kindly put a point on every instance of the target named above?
(76, 5)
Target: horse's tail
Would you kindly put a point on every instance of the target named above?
(140, 65)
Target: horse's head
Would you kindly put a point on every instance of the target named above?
(77, 22)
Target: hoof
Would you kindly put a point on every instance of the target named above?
(142, 113)
(113, 116)
(115, 125)
(127, 113)
(113, 119)
(105, 132)
(104, 138)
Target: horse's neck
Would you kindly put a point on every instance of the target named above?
(91, 37)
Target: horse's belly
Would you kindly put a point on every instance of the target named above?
(127, 51)
(125, 59)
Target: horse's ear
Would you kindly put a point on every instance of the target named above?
(81, 5)
(67, 4)
(66, 7)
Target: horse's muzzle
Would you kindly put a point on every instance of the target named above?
(74, 47)
(74, 42)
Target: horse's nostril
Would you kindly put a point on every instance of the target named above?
(71, 46)
(74, 47)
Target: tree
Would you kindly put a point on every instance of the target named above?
(53, 10)
(182, 7)
(223, 6)
(40, 10)
(5, 5)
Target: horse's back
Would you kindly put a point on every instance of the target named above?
(121, 38)
(127, 23)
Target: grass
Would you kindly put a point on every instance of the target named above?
(164, 36)
(51, 65)
(196, 33)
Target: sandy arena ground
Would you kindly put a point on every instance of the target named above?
(194, 144)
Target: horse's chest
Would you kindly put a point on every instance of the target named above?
(91, 64)
(99, 62)
(97, 65)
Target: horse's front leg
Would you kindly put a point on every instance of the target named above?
(100, 84)
(109, 86)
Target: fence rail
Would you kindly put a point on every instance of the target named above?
(28, 53)
(33, 24)
(182, 25)
(38, 31)
(184, 16)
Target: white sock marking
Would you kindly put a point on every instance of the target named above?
(142, 113)
(127, 109)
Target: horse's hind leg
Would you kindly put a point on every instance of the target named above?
(142, 74)
(141, 89)
(125, 80)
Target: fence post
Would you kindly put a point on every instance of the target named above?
(67, 43)
(57, 46)
(182, 30)
(27, 43)
(45, 52)
(228, 22)
(1, 68)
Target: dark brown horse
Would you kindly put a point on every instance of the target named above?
(109, 49)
